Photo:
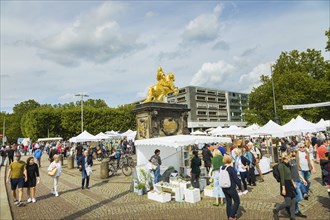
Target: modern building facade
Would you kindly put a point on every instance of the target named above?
(211, 107)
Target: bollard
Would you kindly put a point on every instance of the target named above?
(70, 162)
(61, 158)
(104, 169)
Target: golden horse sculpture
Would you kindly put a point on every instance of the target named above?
(164, 86)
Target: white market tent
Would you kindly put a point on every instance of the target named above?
(83, 137)
(323, 123)
(129, 134)
(232, 130)
(300, 125)
(216, 130)
(198, 132)
(113, 134)
(101, 136)
(252, 127)
(271, 128)
(171, 148)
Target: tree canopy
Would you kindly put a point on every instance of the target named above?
(30, 119)
(299, 78)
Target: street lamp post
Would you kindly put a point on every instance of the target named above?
(276, 118)
(4, 131)
(82, 109)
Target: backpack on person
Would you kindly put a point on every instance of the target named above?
(3, 153)
(224, 178)
(37, 154)
(276, 173)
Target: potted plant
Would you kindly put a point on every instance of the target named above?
(140, 188)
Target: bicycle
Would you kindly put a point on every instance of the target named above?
(123, 165)
(127, 159)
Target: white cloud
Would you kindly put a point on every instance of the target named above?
(204, 28)
(252, 79)
(94, 36)
(212, 73)
(68, 96)
(151, 14)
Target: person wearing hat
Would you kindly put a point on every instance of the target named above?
(17, 175)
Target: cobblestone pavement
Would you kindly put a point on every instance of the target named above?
(111, 199)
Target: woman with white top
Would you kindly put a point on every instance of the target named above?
(241, 164)
(56, 164)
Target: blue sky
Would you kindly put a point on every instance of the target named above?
(51, 50)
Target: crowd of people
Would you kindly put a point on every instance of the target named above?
(23, 174)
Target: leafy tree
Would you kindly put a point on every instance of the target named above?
(25, 106)
(299, 78)
(327, 34)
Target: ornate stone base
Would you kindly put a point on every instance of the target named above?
(155, 119)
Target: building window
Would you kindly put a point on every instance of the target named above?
(200, 91)
(181, 99)
(201, 105)
(212, 113)
(211, 99)
(211, 92)
(213, 119)
(200, 98)
(201, 113)
(202, 119)
(182, 91)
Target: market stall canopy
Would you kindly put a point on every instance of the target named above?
(323, 123)
(101, 136)
(181, 140)
(210, 129)
(198, 132)
(252, 127)
(232, 130)
(129, 134)
(271, 128)
(113, 134)
(83, 137)
(300, 125)
(218, 129)
(50, 139)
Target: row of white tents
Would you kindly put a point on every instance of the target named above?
(296, 126)
(87, 137)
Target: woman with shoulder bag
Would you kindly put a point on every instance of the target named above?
(288, 188)
(55, 171)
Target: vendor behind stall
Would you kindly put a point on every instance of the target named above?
(156, 161)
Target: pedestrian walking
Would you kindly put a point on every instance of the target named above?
(251, 175)
(156, 162)
(78, 152)
(242, 164)
(231, 192)
(207, 157)
(217, 162)
(305, 166)
(3, 154)
(287, 188)
(32, 179)
(52, 153)
(55, 165)
(85, 164)
(195, 169)
(37, 155)
(10, 153)
(16, 175)
(298, 180)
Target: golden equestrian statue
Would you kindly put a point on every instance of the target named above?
(164, 86)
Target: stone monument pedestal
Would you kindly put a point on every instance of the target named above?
(154, 119)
